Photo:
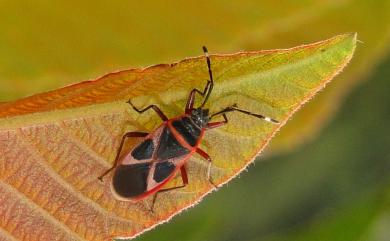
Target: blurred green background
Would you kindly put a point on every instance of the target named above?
(324, 177)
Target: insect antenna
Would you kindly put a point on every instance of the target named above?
(206, 53)
(235, 108)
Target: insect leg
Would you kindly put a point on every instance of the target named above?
(207, 157)
(128, 134)
(184, 178)
(212, 125)
(235, 108)
(191, 97)
(154, 107)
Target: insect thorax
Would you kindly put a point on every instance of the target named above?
(188, 129)
(200, 117)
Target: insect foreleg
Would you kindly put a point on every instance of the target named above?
(191, 97)
(128, 134)
(235, 108)
(212, 125)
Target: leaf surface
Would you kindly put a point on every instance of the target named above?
(55, 144)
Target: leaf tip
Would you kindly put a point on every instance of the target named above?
(352, 37)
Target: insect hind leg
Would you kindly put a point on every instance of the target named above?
(128, 134)
(184, 177)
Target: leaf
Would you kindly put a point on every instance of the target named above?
(54, 145)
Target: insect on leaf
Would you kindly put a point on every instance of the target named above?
(54, 145)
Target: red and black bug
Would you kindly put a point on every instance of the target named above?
(148, 166)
